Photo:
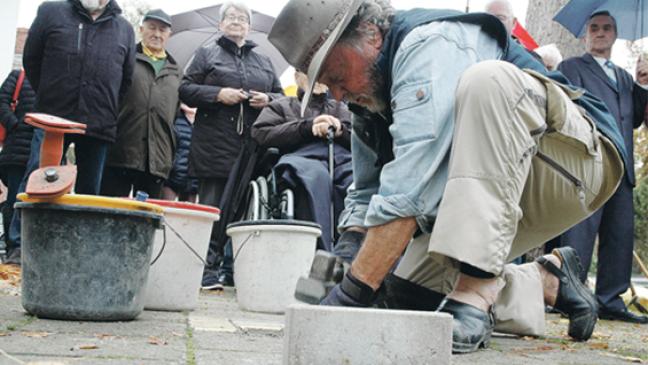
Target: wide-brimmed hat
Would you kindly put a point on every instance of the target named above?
(306, 31)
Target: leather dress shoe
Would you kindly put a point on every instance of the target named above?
(574, 299)
(624, 315)
(471, 327)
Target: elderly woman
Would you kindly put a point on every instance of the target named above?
(229, 83)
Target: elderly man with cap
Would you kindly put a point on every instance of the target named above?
(461, 160)
(142, 155)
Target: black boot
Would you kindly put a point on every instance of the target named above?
(471, 327)
(574, 299)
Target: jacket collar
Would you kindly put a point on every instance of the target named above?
(171, 63)
(112, 9)
(232, 47)
(596, 69)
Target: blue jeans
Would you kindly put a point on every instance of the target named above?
(90, 158)
(11, 176)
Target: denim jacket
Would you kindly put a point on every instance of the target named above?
(425, 73)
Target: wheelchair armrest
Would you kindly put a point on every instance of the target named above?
(269, 159)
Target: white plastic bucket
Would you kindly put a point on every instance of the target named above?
(175, 277)
(269, 259)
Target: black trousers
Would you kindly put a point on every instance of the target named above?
(119, 182)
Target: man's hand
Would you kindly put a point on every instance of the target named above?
(642, 71)
(351, 292)
(258, 100)
(229, 96)
(323, 122)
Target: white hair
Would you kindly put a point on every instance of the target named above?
(506, 3)
(238, 5)
(550, 55)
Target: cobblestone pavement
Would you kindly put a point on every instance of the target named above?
(218, 332)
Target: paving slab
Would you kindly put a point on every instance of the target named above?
(257, 340)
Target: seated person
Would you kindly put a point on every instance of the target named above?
(304, 139)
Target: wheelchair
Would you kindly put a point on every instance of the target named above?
(265, 198)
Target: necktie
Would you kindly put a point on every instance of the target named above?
(609, 71)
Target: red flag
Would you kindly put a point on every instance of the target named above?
(523, 36)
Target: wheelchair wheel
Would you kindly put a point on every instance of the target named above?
(264, 197)
(252, 210)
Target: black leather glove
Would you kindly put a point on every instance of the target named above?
(351, 292)
(348, 245)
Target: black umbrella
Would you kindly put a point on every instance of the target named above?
(193, 29)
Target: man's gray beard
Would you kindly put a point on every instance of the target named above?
(93, 5)
(378, 96)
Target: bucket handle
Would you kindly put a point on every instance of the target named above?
(166, 224)
(163, 245)
(255, 233)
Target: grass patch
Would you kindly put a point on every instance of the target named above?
(191, 350)
(17, 325)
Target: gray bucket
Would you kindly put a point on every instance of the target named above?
(85, 263)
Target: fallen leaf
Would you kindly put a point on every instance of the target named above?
(4, 334)
(544, 348)
(625, 358)
(105, 336)
(35, 334)
(528, 338)
(178, 334)
(156, 341)
(600, 336)
(89, 346)
(599, 346)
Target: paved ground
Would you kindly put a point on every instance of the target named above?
(218, 332)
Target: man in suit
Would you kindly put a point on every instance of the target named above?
(614, 222)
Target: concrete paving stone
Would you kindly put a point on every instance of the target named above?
(210, 324)
(353, 336)
(165, 324)
(238, 342)
(71, 345)
(204, 357)
(258, 326)
(11, 309)
(48, 360)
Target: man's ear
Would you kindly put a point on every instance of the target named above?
(376, 40)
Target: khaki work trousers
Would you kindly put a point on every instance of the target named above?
(525, 165)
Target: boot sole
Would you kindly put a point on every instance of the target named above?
(462, 348)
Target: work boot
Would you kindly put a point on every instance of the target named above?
(574, 299)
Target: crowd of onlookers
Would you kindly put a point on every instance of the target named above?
(151, 126)
(175, 134)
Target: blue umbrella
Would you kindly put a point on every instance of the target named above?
(629, 16)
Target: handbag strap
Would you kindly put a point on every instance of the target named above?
(19, 85)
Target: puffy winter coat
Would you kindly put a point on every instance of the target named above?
(179, 179)
(145, 136)
(280, 123)
(15, 151)
(80, 68)
(215, 142)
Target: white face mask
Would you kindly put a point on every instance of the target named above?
(93, 5)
